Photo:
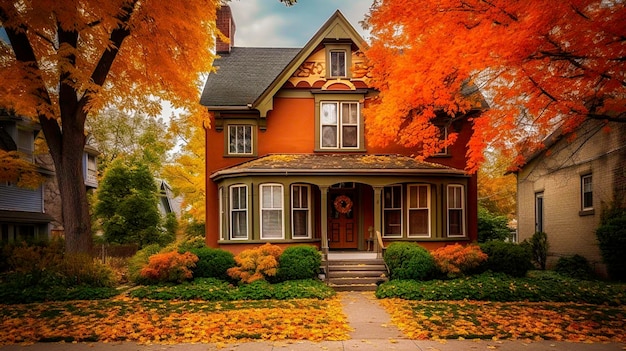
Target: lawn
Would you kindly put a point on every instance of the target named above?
(151, 321)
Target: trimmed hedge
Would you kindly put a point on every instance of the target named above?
(409, 261)
(299, 262)
(575, 266)
(212, 263)
(508, 258)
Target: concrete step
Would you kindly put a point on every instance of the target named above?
(354, 287)
(357, 280)
(355, 274)
(359, 267)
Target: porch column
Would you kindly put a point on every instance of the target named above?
(324, 220)
(378, 190)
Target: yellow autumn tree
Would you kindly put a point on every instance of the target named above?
(67, 60)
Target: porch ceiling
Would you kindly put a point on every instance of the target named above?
(332, 164)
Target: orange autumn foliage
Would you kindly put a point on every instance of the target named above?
(170, 267)
(457, 260)
(539, 64)
(256, 264)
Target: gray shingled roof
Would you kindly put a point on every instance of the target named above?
(330, 164)
(244, 74)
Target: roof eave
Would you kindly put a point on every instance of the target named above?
(233, 173)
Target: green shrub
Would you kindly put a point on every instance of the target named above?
(575, 266)
(192, 242)
(409, 261)
(169, 267)
(82, 269)
(140, 260)
(491, 226)
(212, 263)
(299, 262)
(537, 286)
(538, 246)
(11, 294)
(508, 258)
(612, 237)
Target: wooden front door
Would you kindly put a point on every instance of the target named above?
(342, 224)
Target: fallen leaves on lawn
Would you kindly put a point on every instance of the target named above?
(173, 322)
(518, 320)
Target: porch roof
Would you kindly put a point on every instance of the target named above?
(333, 164)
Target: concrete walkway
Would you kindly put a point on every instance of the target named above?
(373, 331)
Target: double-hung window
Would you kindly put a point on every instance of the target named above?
(338, 63)
(392, 211)
(456, 210)
(418, 210)
(586, 192)
(239, 212)
(240, 140)
(301, 211)
(272, 211)
(339, 125)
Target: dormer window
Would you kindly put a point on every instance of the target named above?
(338, 63)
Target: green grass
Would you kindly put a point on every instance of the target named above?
(537, 286)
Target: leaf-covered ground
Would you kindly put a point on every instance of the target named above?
(173, 322)
(508, 320)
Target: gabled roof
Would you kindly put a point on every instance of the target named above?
(250, 77)
(333, 164)
(244, 74)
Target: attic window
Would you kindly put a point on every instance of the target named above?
(338, 64)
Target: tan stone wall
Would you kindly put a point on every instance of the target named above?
(557, 174)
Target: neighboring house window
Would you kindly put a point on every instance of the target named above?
(240, 140)
(539, 212)
(301, 211)
(272, 211)
(338, 64)
(392, 211)
(586, 192)
(339, 125)
(92, 169)
(418, 210)
(25, 144)
(239, 212)
(456, 210)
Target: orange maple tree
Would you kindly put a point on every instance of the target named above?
(540, 64)
(67, 60)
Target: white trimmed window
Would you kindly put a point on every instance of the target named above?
(338, 63)
(239, 212)
(240, 140)
(586, 192)
(456, 210)
(339, 125)
(272, 211)
(301, 211)
(418, 210)
(392, 211)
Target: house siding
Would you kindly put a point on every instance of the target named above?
(13, 198)
(557, 173)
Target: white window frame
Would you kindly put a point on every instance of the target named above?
(584, 191)
(462, 208)
(385, 209)
(332, 59)
(339, 125)
(262, 208)
(220, 205)
(251, 133)
(420, 187)
(539, 212)
(232, 210)
(301, 208)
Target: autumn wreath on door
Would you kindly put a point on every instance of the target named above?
(343, 204)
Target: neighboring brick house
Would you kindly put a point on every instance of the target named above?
(34, 214)
(288, 161)
(563, 189)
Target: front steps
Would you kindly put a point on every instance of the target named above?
(355, 274)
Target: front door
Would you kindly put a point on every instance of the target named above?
(342, 225)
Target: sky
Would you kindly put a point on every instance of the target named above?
(269, 23)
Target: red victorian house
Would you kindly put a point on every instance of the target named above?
(288, 160)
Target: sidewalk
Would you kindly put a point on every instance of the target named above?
(373, 331)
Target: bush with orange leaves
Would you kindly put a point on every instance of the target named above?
(457, 260)
(169, 267)
(256, 264)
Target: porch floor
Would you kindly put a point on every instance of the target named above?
(351, 255)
